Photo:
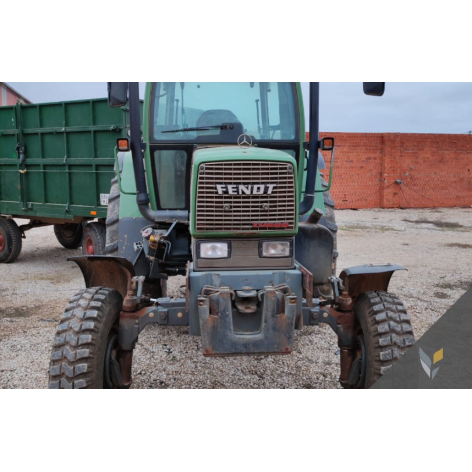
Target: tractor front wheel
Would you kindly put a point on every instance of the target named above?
(86, 342)
(383, 335)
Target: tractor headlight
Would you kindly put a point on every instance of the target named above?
(275, 249)
(214, 250)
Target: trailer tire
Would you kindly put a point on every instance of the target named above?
(384, 333)
(113, 219)
(69, 235)
(93, 239)
(10, 241)
(88, 325)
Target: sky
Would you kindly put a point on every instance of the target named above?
(406, 107)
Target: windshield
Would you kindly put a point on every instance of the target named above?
(220, 112)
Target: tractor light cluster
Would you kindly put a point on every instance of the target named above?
(222, 249)
(275, 249)
(214, 250)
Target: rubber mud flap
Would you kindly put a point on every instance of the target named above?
(314, 246)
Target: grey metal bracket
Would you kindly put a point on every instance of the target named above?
(167, 311)
(172, 312)
(341, 324)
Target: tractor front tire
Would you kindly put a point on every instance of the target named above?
(10, 241)
(88, 328)
(93, 239)
(384, 334)
(69, 235)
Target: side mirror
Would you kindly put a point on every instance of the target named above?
(376, 89)
(327, 144)
(117, 94)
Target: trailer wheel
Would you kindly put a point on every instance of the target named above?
(85, 340)
(93, 239)
(10, 241)
(384, 333)
(113, 219)
(69, 235)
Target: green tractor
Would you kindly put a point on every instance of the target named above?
(217, 183)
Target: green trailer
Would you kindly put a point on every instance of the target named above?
(56, 164)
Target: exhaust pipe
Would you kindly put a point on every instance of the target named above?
(137, 151)
(312, 167)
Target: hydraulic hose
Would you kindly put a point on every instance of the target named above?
(312, 167)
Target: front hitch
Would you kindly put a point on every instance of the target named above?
(220, 335)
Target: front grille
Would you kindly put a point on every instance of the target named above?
(245, 210)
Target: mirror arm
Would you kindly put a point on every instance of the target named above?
(331, 167)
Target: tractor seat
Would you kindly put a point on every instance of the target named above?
(216, 118)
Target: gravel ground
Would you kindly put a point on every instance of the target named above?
(35, 289)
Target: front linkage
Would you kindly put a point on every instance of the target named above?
(99, 330)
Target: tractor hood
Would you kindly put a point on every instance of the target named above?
(225, 153)
(240, 192)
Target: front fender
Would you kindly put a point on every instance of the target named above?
(368, 277)
(106, 271)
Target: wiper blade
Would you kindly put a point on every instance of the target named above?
(200, 128)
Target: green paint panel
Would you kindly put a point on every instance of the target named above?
(78, 114)
(52, 116)
(9, 184)
(7, 147)
(7, 119)
(53, 146)
(103, 115)
(32, 144)
(69, 158)
(30, 117)
(34, 185)
(80, 145)
(105, 142)
(55, 185)
(83, 186)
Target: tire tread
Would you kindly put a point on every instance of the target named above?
(16, 240)
(387, 327)
(76, 342)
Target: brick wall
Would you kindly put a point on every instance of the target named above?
(436, 170)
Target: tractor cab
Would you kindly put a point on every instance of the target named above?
(187, 116)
